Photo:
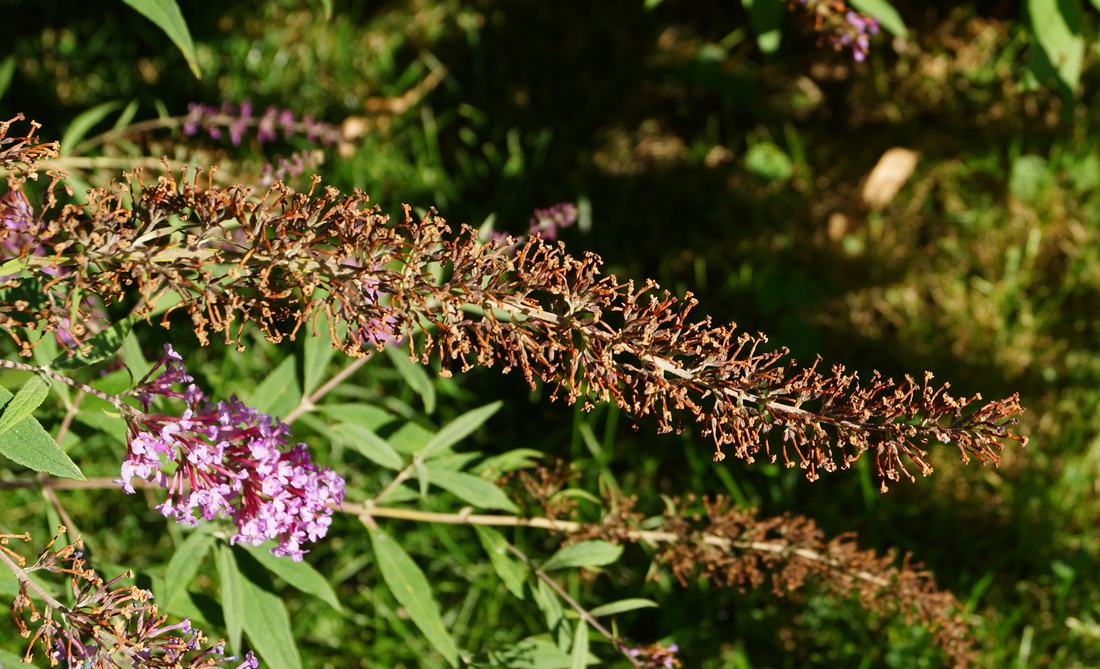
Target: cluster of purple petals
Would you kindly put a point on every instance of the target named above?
(230, 461)
(545, 223)
(237, 121)
(161, 646)
(856, 34)
(284, 168)
(19, 223)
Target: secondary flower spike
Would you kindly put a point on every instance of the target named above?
(227, 460)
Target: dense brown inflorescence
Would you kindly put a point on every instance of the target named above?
(284, 260)
(733, 546)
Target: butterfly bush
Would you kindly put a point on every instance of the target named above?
(841, 26)
(228, 460)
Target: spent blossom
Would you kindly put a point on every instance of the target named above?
(840, 25)
(227, 460)
(73, 634)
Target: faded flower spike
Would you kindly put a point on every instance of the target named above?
(227, 460)
(108, 625)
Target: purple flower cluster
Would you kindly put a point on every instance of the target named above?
(845, 28)
(546, 222)
(856, 34)
(295, 166)
(237, 120)
(19, 222)
(229, 461)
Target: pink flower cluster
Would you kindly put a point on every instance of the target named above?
(228, 460)
(238, 120)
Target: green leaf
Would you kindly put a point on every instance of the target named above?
(101, 347)
(593, 553)
(7, 71)
(7, 660)
(532, 653)
(370, 445)
(579, 656)
(548, 603)
(510, 570)
(327, 4)
(127, 116)
(458, 429)
(318, 354)
(622, 606)
(28, 443)
(186, 561)
(83, 123)
(232, 594)
(1056, 25)
(766, 17)
(884, 13)
(519, 458)
(29, 397)
(471, 489)
(414, 375)
(166, 14)
(133, 356)
(301, 575)
(266, 622)
(279, 393)
(410, 587)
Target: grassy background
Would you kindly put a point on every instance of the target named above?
(714, 169)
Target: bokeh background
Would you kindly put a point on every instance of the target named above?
(699, 161)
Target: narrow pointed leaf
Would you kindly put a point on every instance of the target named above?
(414, 375)
(266, 621)
(410, 587)
(166, 14)
(83, 123)
(548, 603)
(232, 594)
(471, 489)
(594, 553)
(186, 561)
(509, 569)
(318, 354)
(579, 656)
(884, 13)
(28, 443)
(458, 429)
(370, 445)
(300, 575)
(29, 398)
(279, 393)
(622, 606)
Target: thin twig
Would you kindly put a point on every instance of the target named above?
(310, 403)
(31, 585)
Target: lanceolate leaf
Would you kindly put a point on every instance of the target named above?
(1056, 25)
(28, 443)
(185, 563)
(471, 489)
(101, 347)
(622, 606)
(458, 429)
(232, 594)
(509, 570)
(318, 355)
(579, 656)
(585, 554)
(266, 621)
(166, 14)
(885, 13)
(368, 443)
(548, 603)
(414, 375)
(29, 397)
(83, 123)
(532, 653)
(410, 587)
(300, 575)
